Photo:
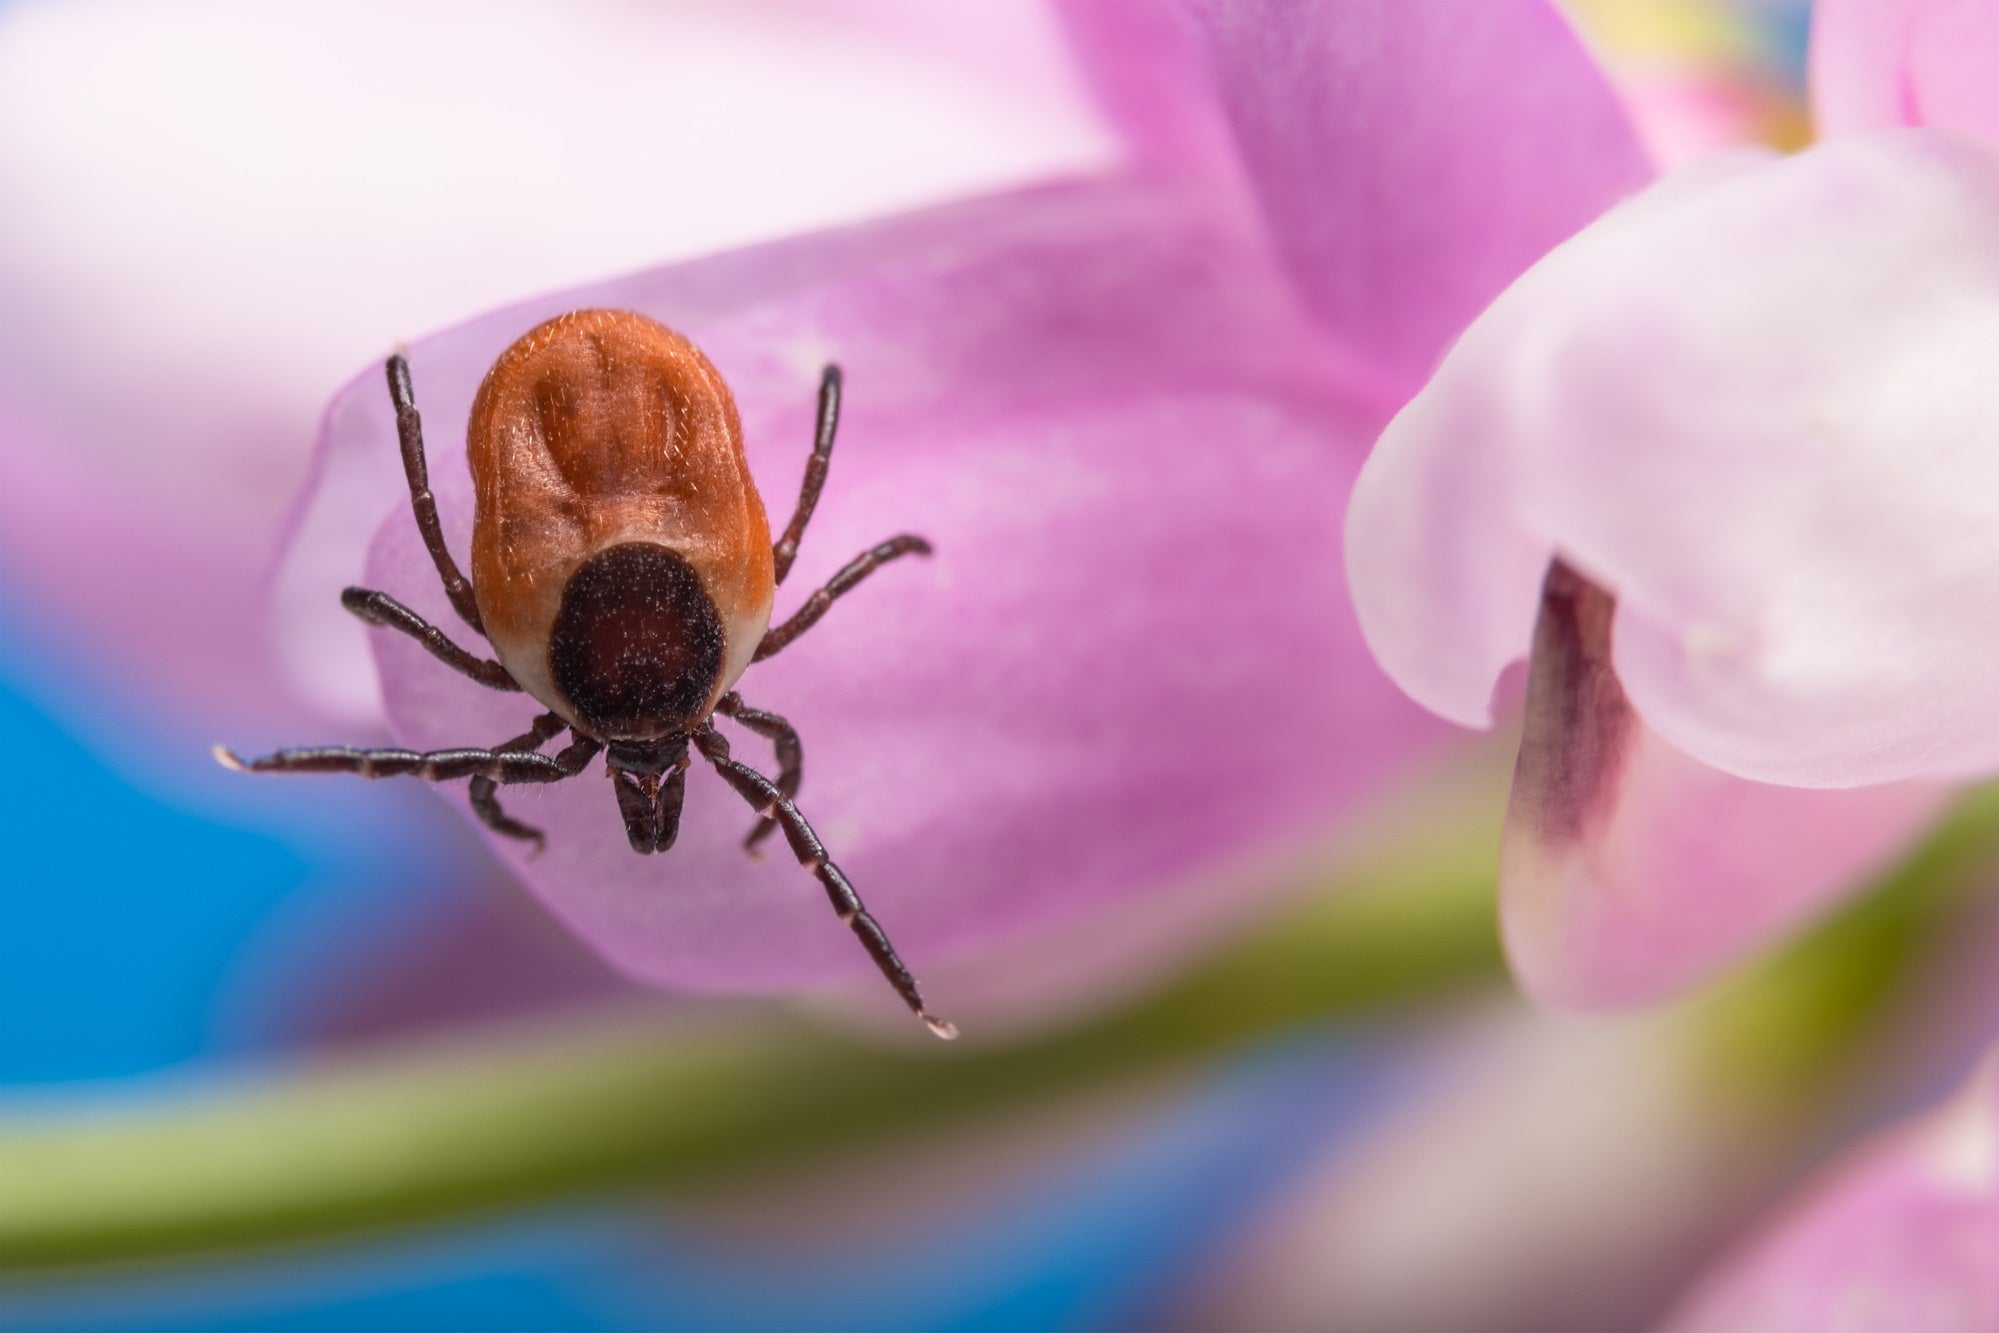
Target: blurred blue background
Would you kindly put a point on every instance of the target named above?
(149, 943)
(143, 933)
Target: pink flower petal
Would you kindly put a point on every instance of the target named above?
(1411, 157)
(1882, 64)
(216, 209)
(1629, 871)
(1129, 661)
(1905, 1237)
(1754, 406)
(1147, 65)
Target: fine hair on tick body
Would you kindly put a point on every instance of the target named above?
(623, 573)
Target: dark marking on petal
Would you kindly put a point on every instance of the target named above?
(1578, 723)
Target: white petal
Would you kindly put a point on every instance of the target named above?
(1757, 406)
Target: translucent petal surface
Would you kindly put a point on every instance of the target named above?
(1754, 406)
(215, 209)
(1882, 64)
(1904, 1237)
(1129, 660)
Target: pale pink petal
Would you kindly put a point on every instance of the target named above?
(1629, 871)
(1129, 661)
(215, 209)
(1755, 407)
(1410, 157)
(1905, 1237)
(1688, 870)
(1882, 64)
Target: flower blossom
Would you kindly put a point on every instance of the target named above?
(1723, 463)
(1722, 467)
(1127, 409)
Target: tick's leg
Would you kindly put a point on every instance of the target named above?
(486, 804)
(862, 565)
(786, 549)
(790, 754)
(378, 608)
(502, 766)
(763, 795)
(409, 430)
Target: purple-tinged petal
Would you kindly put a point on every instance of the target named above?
(215, 209)
(1411, 157)
(493, 956)
(1629, 871)
(1754, 406)
(1129, 661)
(1147, 64)
(1888, 64)
(1904, 1237)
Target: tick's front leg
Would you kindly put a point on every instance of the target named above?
(786, 548)
(409, 434)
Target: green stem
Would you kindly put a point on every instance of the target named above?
(434, 1130)
(415, 1133)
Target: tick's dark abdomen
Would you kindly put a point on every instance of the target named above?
(637, 645)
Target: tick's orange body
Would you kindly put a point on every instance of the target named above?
(602, 429)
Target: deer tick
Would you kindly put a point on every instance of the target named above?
(623, 572)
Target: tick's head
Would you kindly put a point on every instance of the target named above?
(637, 646)
(650, 778)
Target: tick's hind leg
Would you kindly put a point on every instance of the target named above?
(485, 800)
(786, 548)
(378, 608)
(763, 795)
(790, 754)
(842, 583)
(409, 433)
